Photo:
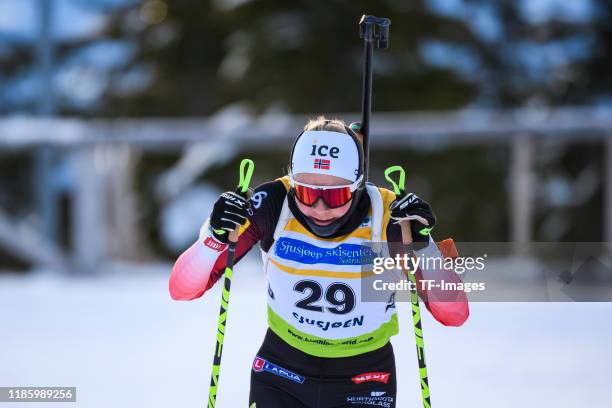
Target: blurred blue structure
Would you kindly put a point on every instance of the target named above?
(90, 159)
(99, 151)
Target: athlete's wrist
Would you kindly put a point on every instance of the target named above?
(207, 236)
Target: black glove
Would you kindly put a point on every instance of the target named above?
(229, 212)
(417, 211)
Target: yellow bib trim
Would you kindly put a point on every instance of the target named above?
(320, 272)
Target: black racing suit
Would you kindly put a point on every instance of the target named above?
(285, 377)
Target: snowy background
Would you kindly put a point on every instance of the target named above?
(123, 342)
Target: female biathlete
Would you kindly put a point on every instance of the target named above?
(325, 347)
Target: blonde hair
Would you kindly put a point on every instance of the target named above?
(333, 125)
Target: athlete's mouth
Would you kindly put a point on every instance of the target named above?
(323, 222)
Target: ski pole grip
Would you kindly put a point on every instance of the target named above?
(399, 189)
(406, 232)
(246, 172)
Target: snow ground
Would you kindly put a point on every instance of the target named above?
(123, 342)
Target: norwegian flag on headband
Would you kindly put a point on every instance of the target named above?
(322, 164)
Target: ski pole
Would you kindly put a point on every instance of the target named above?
(399, 190)
(246, 171)
(370, 28)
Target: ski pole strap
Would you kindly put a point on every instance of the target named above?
(246, 171)
(398, 188)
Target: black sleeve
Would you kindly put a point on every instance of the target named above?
(266, 205)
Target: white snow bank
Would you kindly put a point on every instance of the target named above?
(123, 342)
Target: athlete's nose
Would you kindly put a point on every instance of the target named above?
(320, 205)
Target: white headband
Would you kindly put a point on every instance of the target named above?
(326, 152)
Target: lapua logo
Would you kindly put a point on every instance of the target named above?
(258, 364)
(371, 377)
(261, 365)
(324, 150)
